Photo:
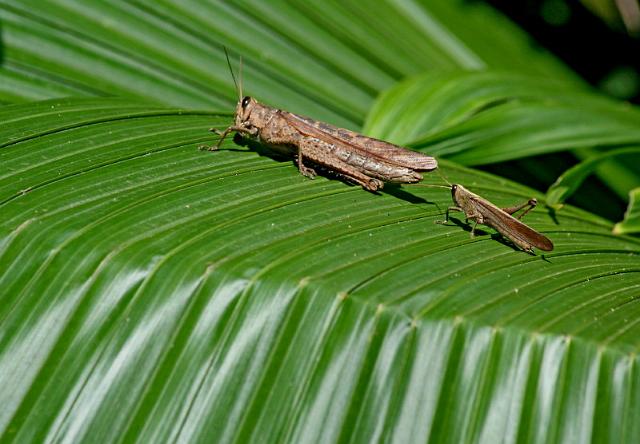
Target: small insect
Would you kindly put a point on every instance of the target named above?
(363, 160)
(481, 211)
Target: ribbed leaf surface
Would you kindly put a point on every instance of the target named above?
(482, 118)
(155, 292)
(327, 59)
(152, 292)
(490, 117)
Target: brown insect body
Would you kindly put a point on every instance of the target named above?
(364, 160)
(481, 211)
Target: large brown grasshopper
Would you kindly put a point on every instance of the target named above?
(363, 160)
(481, 211)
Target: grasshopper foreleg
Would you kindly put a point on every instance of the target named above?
(305, 171)
(446, 215)
(223, 135)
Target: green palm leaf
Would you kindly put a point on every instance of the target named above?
(148, 284)
(154, 292)
(327, 59)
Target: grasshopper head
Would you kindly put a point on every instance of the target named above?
(459, 194)
(243, 111)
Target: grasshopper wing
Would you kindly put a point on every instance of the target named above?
(511, 227)
(384, 151)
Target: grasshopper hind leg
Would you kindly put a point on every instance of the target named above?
(531, 204)
(315, 150)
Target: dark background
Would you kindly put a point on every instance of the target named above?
(602, 50)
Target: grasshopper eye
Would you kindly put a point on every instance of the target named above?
(245, 101)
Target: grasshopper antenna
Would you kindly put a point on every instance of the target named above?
(430, 185)
(238, 90)
(224, 133)
(444, 177)
(240, 76)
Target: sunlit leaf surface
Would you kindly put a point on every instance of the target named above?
(158, 292)
(481, 118)
(326, 59)
(152, 292)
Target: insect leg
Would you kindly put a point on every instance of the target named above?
(305, 171)
(531, 203)
(223, 135)
(446, 215)
(320, 153)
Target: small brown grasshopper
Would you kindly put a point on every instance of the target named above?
(363, 160)
(481, 211)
